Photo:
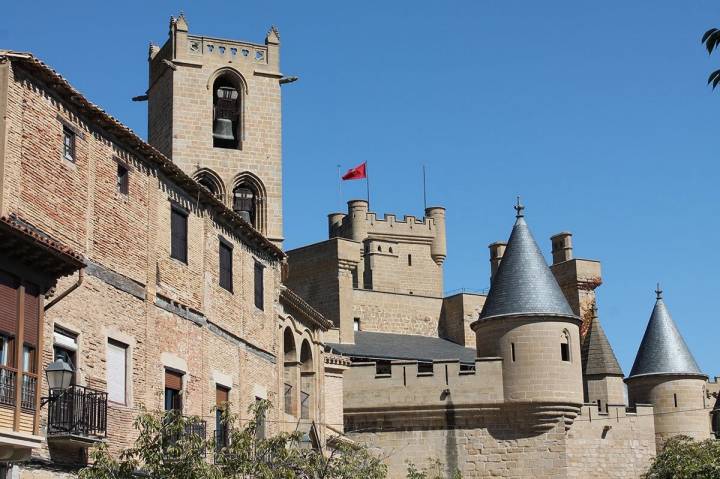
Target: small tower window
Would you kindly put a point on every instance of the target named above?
(512, 351)
(565, 347)
(675, 399)
(226, 113)
(409, 260)
(356, 324)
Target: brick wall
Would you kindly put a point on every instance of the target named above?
(167, 312)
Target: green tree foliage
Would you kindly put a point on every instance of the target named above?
(711, 40)
(168, 446)
(684, 458)
(434, 470)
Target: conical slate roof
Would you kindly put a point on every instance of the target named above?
(598, 356)
(523, 283)
(663, 350)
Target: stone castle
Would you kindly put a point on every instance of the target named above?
(154, 271)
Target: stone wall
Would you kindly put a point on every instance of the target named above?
(458, 312)
(617, 443)
(181, 113)
(396, 313)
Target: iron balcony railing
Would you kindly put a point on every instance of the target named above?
(193, 426)
(7, 386)
(77, 411)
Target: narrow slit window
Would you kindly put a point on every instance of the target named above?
(68, 144)
(565, 346)
(409, 260)
(512, 351)
(178, 233)
(259, 287)
(226, 271)
(123, 179)
(675, 399)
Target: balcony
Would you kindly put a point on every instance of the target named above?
(77, 415)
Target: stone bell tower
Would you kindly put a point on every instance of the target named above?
(214, 108)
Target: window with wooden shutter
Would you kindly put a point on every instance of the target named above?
(32, 315)
(259, 287)
(222, 395)
(226, 276)
(178, 234)
(8, 304)
(173, 387)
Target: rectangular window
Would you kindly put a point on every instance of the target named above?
(29, 362)
(117, 371)
(68, 144)
(565, 351)
(222, 395)
(178, 234)
(675, 399)
(259, 287)
(226, 272)
(512, 351)
(65, 347)
(173, 387)
(260, 431)
(356, 324)
(409, 260)
(123, 179)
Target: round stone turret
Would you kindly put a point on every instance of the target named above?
(527, 322)
(666, 375)
(357, 212)
(335, 221)
(438, 248)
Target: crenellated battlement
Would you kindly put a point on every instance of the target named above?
(406, 385)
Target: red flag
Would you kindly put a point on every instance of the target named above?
(357, 173)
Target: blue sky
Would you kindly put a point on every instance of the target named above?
(596, 113)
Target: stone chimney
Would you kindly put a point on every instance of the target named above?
(562, 247)
(497, 250)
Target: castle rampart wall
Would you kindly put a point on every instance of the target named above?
(396, 313)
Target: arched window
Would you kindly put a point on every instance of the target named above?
(307, 382)
(227, 90)
(249, 200)
(290, 371)
(210, 180)
(565, 346)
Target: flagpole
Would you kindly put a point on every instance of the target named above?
(367, 184)
(424, 190)
(339, 188)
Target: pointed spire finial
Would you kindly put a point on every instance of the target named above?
(658, 291)
(519, 208)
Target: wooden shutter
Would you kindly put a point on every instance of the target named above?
(173, 380)
(8, 304)
(226, 266)
(178, 234)
(32, 315)
(221, 395)
(259, 287)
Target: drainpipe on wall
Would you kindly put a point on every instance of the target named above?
(81, 276)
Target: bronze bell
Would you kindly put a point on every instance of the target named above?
(223, 129)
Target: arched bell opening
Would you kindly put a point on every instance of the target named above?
(227, 111)
(210, 180)
(249, 200)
